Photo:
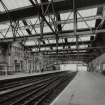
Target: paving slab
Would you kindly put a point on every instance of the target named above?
(86, 88)
(19, 75)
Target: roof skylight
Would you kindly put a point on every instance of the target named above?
(14, 4)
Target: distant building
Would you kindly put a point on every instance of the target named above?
(14, 58)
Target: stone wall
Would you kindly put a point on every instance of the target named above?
(97, 64)
(14, 58)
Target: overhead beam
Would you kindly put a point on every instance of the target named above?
(50, 35)
(68, 57)
(69, 50)
(60, 44)
(58, 22)
(27, 29)
(69, 54)
(33, 11)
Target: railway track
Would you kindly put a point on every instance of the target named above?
(22, 81)
(35, 92)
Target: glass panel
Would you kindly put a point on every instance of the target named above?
(29, 43)
(88, 12)
(46, 29)
(52, 41)
(20, 33)
(14, 4)
(4, 26)
(80, 51)
(25, 32)
(34, 49)
(60, 48)
(80, 46)
(83, 46)
(84, 38)
(82, 25)
(37, 30)
(83, 13)
(73, 47)
(61, 40)
(9, 34)
(1, 36)
(46, 48)
(68, 26)
(71, 39)
(21, 23)
(33, 20)
(50, 18)
(66, 15)
(54, 48)
(46, 41)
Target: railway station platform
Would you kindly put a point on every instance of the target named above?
(19, 75)
(86, 88)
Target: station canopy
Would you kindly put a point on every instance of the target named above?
(48, 25)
